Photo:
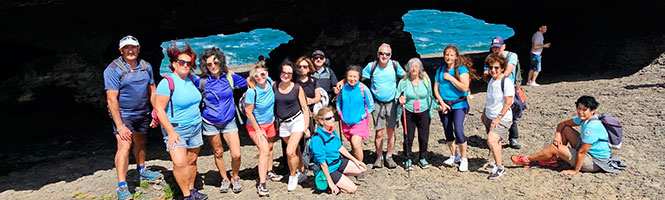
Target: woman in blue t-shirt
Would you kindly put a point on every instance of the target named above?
(451, 88)
(177, 109)
(589, 150)
(216, 85)
(332, 157)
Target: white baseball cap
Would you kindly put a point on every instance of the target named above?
(128, 40)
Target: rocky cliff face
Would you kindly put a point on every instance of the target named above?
(62, 46)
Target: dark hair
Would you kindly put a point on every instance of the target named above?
(492, 58)
(173, 52)
(288, 62)
(462, 61)
(353, 68)
(587, 101)
(213, 51)
(261, 57)
(310, 68)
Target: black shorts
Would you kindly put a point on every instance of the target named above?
(337, 174)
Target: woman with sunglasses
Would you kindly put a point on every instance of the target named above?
(332, 157)
(180, 117)
(216, 85)
(497, 116)
(308, 84)
(259, 107)
(354, 105)
(291, 109)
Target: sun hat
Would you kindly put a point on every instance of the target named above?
(128, 40)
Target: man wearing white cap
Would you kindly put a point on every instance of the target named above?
(130, 87)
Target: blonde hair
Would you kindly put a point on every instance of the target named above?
(252, 71)
(322, 112)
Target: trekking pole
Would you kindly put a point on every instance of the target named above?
(408, 175)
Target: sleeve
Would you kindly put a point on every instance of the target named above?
(508, 88)
(513, 59)
(400, 86)
(333, 78)
(152, 74)
(367, 70)
(577, 120)
(163, 88)
(592, 132)
(369, 100)
(239, 81)
(249, 96)
(111, 79)
(318, 150)
(533, 38)
(438, 72)
(463, 70)
(400, 72)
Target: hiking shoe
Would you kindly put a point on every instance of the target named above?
(378, 163)
(225, 186)
(407, 165)
(274, 177)
(124, 194)
(361, 177)
(552, 162)
(490, 166)
(237, 187)
(514, 143)
(301, 176)
(451, 160)
(464, 165)
(197, 195)
(521, 160)
(423, 164)
(390, 163)
(190, 197)
(262, 190)
(497, 172)
(293, 183)
(147, 175)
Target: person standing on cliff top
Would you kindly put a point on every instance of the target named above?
(536, 51)
(499, 48)
(130, 87)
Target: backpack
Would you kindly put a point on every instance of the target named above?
(518, 72)
(125, 71)
(205, 102)
(171, 89)
(241, 102)
(519, 103)
(614, 130)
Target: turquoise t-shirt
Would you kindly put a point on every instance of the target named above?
(592, 132)
(412, 93)
(327, 152)
(265, 103)
(384, 84)
(186, 99)
(447, 90)
(511, 60)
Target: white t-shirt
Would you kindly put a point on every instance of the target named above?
(538, 39)
(495, 99)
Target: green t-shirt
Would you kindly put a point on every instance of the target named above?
(419, 92)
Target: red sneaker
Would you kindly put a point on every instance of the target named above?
(521, 160)
(552, 162)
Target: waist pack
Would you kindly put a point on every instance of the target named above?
(614, 130)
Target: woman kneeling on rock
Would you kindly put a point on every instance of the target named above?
(327, 149)
(588, 152)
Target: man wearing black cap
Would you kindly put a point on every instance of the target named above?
(498, 47)
(324, 76)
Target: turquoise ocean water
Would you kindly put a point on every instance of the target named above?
(432, 30)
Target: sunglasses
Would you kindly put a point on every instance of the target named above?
(318, 58)
(185, 63)
(328, 118)
(261, 74)
(491, 67)
(303, 66)
(213, 63)
(287, 73)
(384, 53)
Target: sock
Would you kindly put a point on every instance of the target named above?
(389, 156)
(120, 184)
(140, 168)
(500, 166)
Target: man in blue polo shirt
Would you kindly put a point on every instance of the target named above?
(130, 87)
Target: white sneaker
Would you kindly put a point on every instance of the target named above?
(293, 183)
(301, 177)
(529, 84)
(451, 160)
(535, 84)
(464, 165)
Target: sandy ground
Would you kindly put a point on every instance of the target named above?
(638, 100)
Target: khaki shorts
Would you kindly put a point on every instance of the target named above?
(501, 129)
(384, 115)
(587, 166)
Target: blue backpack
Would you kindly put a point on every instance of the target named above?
(614, 130)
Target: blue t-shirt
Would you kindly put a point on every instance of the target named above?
(326, 153)
(384, 84)
(351, 104)
(265, 103)
(185, 100)
(592, 132)
(133, 93)
(511, 60)
(218, 93)
(447, 90)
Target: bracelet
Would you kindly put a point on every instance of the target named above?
(123, 126)
(500, 114)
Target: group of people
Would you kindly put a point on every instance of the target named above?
(188, 107)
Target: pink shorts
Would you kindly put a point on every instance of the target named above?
(360, 129)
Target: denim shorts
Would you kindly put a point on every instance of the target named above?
(210, 129)
(535, 62)
(138, 124)
(190, 136)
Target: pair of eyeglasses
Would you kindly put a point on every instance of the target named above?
(303, 66)
(287, 73)
(213, 63)
(129, 37)
(328, 118)
(185, 63)
(384, 53)
(318, 58)
(261, 74)
(492, 67)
